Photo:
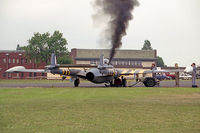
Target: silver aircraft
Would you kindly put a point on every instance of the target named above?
(103, 73)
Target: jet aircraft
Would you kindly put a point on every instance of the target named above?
(103, 73)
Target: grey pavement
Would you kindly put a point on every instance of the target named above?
(183, 83)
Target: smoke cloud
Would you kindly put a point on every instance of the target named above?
(116, 14)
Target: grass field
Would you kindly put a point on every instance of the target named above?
(100, 110)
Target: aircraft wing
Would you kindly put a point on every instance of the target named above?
(141, 71)
(163, 71)
(75, 73)
(64, 72)
(23, 69)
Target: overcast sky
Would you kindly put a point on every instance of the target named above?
(172, 26)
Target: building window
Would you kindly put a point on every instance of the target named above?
(132, 63)
(138, 63)
(125, 63)
(115, 63)
(35, 74)
(13, 60)
(9, 75)
(17, 75)
(4, 75)
(9, 60)
(22, 60)
(119, 63)
(42, 74)
(17, 61)
(22, 75)
(30, 74)
(93, 62)
(4, 60)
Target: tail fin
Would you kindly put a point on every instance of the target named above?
(101, 60)
(53, 64)
(104, 63)
(53, 59)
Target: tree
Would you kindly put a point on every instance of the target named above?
(160, 62)
(147, 45)
(41, 46)
(65, 59)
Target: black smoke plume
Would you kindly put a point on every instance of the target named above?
(118, 13)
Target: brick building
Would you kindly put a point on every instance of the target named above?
(127, 58)
(11, 58)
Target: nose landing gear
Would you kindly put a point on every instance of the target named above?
(76, 82)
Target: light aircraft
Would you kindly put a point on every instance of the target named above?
(103, 73)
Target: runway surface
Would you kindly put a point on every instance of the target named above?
(183, 83)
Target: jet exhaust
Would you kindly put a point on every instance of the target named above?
(90, 76)
(118, 13)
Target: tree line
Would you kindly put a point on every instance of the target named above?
(41, 46)
(147, 46)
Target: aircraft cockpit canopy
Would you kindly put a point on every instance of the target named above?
(106, 61)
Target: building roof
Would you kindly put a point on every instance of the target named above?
(95, 53)
(11, 51)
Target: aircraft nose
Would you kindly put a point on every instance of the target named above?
(9, 70)
(15, 69)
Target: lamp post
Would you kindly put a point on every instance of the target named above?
(7, 65)
(20, 62)
(20, 58)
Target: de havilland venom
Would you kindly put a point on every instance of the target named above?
(103, 73)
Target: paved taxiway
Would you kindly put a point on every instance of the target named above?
(183, 83)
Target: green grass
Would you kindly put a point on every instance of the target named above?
(100, 110)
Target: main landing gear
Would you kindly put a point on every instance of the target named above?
(76, 82)
(149, 82)
(117, 83)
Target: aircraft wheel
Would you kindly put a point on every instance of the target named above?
(149, 82)
(76, 82)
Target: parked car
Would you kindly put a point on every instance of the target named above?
(170, 75)
(163, 77)
(198, 76)
(185, 76)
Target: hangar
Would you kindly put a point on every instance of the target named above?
(127, 58)
(124, 59)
